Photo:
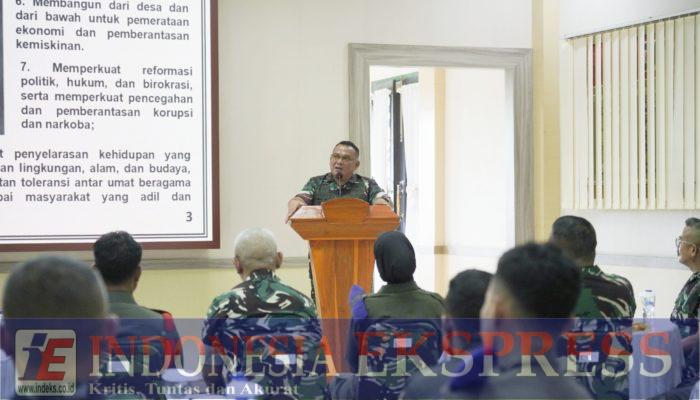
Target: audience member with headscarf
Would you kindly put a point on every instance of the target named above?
(400, 297)
(400, 315)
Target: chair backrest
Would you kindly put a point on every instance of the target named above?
(391, 351)
(134, 361)
(280, 353)
(604, 348)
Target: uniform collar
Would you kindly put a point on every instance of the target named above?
(592, 270)
(353, 179)
(262, 273)
(121, 296)
(695, 276)
(391, 288)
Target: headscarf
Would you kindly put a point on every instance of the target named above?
(395, 257)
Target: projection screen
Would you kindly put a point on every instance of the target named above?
(108, 122)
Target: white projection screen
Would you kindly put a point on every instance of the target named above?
(108, 122)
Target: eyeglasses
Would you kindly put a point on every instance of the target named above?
(344, 158)
(680, 240)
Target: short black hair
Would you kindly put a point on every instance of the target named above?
(692, 222)
(576, 237)
(54, 287)
(466, 293)
(117, 256)
(543, 282)
(351, 144)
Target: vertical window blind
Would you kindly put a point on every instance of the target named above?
(630, 117)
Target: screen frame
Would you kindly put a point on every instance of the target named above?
(215, 242)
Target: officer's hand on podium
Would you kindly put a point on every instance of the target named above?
(294, 204)
(381, 200)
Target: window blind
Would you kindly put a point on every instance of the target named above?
(629, 117)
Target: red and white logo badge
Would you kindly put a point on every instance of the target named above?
(45, 362)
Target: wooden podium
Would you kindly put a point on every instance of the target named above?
(341, 234)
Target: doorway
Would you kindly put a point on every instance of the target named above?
(465, 137)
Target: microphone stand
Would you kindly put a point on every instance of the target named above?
(339, 177)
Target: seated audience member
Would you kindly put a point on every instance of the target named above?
(685, 309)
(118, 259)
(400, 297)
(527, 305)
(463, 303)
(399, 308)
(57, 293)
(254, 328)
(606, 304)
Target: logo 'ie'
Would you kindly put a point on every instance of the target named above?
(45, 362)
(42, 355)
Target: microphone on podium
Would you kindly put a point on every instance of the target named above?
(339, 177)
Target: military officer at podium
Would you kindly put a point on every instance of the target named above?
(341, 181)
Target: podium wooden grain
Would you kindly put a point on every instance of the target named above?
(341, 235)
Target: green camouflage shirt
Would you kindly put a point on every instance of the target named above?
(685, 315)
(272, 332)
(606, 304)
(259, 295)
(688, 299)
(322, 188)
(604, 295)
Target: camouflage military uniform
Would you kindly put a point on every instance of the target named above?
(398, 316)
(605, 295)
(686, 306)
(685, 315)
(272, 333)
(606, 305)
(396, 349)
(322, 188)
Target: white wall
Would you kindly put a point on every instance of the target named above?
(284, 85)
(648, 235)
(586, 16)
(479, 160)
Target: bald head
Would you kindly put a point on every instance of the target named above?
(54, 287)
(256, 248)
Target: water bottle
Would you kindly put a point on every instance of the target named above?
(648, 298)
